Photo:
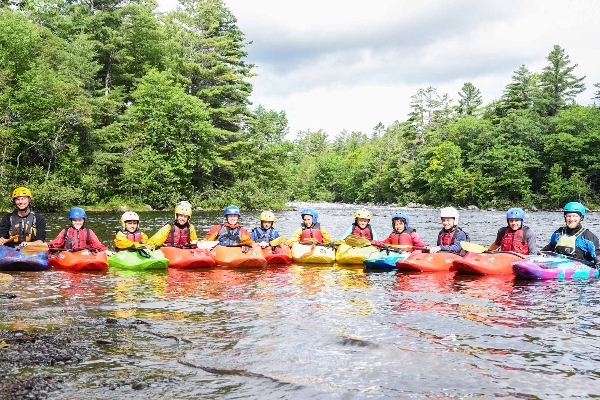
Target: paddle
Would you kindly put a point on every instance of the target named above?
(477, 248)
(553, 254)
(357, 241)
(277, 242)
(207, 244)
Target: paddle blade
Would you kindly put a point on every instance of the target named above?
(207, 244)
(278, 241)
(34, 248)
(473, 247)
(357, 241)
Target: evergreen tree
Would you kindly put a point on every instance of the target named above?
(522, 92)
(470, 100)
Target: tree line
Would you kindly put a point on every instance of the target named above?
(109, 103)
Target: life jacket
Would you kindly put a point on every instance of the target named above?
(314, 232)
(366, 233)
(74, 239)
(566, 244)
(263, 235)
(135, 236)
(514, 240)
(229, 236)
(446, 238)
(24, 227)
(402, 238)
(178, 236)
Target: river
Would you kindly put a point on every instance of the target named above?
(323, 332)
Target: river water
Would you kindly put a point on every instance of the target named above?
(308, 331)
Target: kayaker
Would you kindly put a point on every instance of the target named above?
(361, 226)
(402, 236)
(451, 235)
(515, 237)
(574, 240)
(310, 230)
(129, 236)
(230, 232)
(179, 232)
(78, 236)
(265, 233)
(22, 226)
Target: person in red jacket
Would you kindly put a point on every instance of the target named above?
(78, 236)
(402, 236)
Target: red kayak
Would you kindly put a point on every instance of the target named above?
(188, 258)
(277, 255)
(486, 263)
(239, 256)
(427, 262)
(79, 260)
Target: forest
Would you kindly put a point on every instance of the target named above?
(105, 104)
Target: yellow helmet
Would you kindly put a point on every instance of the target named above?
(183, 208)
(362, 213)
(21, 191)
(267, 216)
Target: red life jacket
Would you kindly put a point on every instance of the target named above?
(515, 240)
(178, 236)
(403, 238)
(75, 240)
(314, 232)
(446, 238)
(366, 233)
(135, 236)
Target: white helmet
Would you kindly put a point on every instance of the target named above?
(449, 212)
(129, 216)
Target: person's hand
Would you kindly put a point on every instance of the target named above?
(263, 244)
(109, 252)
(435, 249)
(2, 241)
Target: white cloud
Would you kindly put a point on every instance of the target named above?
(337, 65)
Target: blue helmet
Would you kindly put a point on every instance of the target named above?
(232, 210)
(516, 213)
(575, 207)
(312, 213)
(400, 215)
(77, 212)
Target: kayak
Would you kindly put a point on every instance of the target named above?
(80, 260)
(281, 254)
(313, 253)
(136, 260)
(188, 258)
(239, 256)
(489, 263)
(12, 259)
(553, 267)
(427, 262)
(385, 259)
(346, 254)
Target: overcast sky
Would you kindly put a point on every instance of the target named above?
(336, 65)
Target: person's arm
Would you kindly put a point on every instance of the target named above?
(347, 233)
(532, 242)
(498, 241)
(59, 241)
(96, 243)
(40, 230)
(246, 240)
(4, 228)
(159, 237)
(295, 237)
(193, 234)
(326, 237)
(121, 242)
(213, 233)
(417, 241)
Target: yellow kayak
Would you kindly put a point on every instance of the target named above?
(313, 253)
(346, 254)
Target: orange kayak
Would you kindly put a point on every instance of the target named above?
(427, 262)
(277, 255)
(80, 260)
(239, 256)
(188, 258)
(486, 263)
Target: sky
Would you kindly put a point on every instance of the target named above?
(339, 65)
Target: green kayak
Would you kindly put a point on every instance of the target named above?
(138, 260)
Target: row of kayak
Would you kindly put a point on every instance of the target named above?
(547, 266)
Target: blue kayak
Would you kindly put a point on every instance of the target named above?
(553, 266)
(385, 259)
(12, 259)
